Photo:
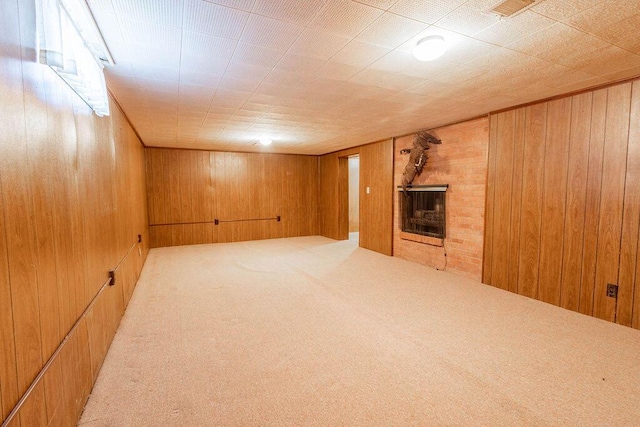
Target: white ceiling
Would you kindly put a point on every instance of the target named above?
(321, 75)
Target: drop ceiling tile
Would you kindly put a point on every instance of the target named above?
(293, 11)
(198, 78)
(391, 30)
(360, 54)
(578, 52)
(385, 79)
(262, 31)
(257, 55)
(616, 27)
(277, 90)
(433, 89)
(508, 30)
(191, 90)
(206, 66)
(344, 18)
(318, 44)
(235, 4)
(299, 63)
(156, 73)
(337, 71)
(201, 44)
(238, 84)
(503, 56)
(425, 11)
(546, 40)
(163, 87)
(152, 43)
(167, 12)
(379, 4)
(470, 18)
(611, 57)
(563, 9)
(395, 61)
(250, 72)
(455, 75)
(214, 19)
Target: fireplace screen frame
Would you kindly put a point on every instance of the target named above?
(431, 217)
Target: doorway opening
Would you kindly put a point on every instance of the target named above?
(354, 198)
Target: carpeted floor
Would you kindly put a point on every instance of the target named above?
(310, 331)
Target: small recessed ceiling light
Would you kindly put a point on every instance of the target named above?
(265, 141)
(429, 48)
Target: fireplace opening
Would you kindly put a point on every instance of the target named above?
(422, 210)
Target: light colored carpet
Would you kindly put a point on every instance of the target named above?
(310, 331)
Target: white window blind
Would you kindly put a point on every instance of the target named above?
(67, 43)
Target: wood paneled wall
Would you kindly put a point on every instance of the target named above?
(188, 189)
(376, 206)
(563, 202)
(72, 203)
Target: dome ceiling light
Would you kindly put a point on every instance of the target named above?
(429, 48)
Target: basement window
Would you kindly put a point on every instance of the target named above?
(70, 43)
(422, 210)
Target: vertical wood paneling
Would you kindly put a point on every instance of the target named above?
(578, 206)
(592, 209)
(12, 122)
(575, 203)
(516, 199)
(72, 201)
(8, 377)
(636, 299)
(631, 215)
(376, 208)
(531, 211)
(612, 197)
(502, 206)
(487, 273)
(554, 199)
(230, 186)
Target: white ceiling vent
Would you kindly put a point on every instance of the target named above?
(511, 7)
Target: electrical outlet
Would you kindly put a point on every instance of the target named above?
(612, 290)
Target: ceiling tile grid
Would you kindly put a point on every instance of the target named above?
(321, 75)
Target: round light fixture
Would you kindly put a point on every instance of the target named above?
(265, 141)
(429, 48)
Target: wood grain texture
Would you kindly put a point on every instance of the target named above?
(578, 205)
(612, 198)
(592, 206)
(487, 272)
(72, 202)
(575, 200)
(189, 189)
(554, 199)
(531, 210)
(376, 208)
(516, 199)
(505, 135)
(631, 215)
